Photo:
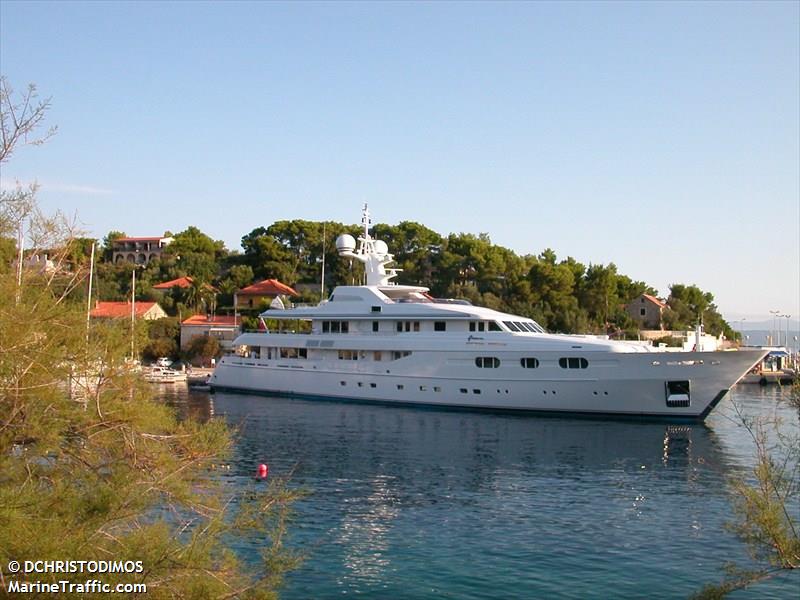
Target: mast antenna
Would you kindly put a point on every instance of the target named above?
(322, 278)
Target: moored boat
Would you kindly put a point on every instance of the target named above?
(161, 374)
(391, 343)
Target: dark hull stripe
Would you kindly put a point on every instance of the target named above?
(622, 416)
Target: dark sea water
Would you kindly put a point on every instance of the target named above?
(422, 503)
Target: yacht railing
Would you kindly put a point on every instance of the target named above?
(273, 332)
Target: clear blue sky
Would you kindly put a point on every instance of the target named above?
(662, 137)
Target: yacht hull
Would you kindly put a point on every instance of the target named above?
(646, 384)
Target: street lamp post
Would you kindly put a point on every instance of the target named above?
(133, 310)
(786, 340)
(774, 314)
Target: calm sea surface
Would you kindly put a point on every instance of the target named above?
(421, 503)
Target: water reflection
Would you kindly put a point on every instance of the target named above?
(408, 490)
(417, 503)
(190, 404)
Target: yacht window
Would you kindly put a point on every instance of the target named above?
(408, 326)
(439, 326)
(348, 355)
(302, 353)
(398, 354)
(399, 326)
(375, 325)
(510, 325)
(472, 325)
(573, 362)
(416, 325)
(494, 326)
(335, 326)
(529, 363)
(481, 326)
(487, 362)
(377, 355)
(376, 309)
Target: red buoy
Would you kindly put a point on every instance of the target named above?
(263, 470)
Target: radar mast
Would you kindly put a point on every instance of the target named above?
(374, 254)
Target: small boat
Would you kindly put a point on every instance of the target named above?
(159, 374)
(201, 381)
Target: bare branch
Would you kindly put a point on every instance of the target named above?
(19, 118)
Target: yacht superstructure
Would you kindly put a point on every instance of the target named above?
(384, 342)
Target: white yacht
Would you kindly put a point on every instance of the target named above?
(390, 343)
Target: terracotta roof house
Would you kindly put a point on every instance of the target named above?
(148, 311)
(222, 327)
(251, 296)
(647, 310)
(139, 250)
(183, 283)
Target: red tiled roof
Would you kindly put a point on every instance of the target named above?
(228, 320)
(116, 310)
(181, 282)
(654, 300)
(268, 287)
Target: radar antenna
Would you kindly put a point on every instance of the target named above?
(373, 253)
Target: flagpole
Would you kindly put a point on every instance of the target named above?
(322, 279)
(89, 301)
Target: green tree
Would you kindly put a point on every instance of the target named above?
(8, 253)
(553, 290)
(203, 348)
(164, 337)
(765, 503)
(91, 467)
(108, 244)
(267, 256)
(688, 304)
(241, 276)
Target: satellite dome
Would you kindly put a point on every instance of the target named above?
(345, 243)
(380, 247)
